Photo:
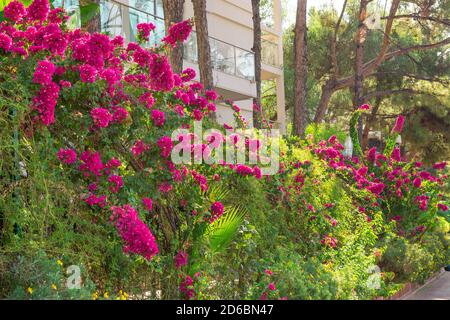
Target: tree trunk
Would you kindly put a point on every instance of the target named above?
(361, 35)
(369, 123)
(173, 13)
(93, 24)
(257, 51)
(301, 68)
(204, 51)
(327, 91)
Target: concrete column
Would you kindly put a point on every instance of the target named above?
(277, 16)
(281, 104)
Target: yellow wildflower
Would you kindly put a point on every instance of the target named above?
(106, 295)
(59, 262)
(54, 287)
(95, 295)
(30, 290)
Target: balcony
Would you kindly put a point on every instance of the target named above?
(122, 19)
(269, 53)
(225, 57)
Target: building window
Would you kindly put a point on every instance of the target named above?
(121, 19)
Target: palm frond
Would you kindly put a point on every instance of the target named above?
(217, 193)
(221, 232)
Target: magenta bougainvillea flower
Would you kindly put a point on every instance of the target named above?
(396, 154)
(417, 182)
(329, 241)
(67, 156)
(165, 145)
(187, 287)
(144, 30)
(136, 235)
(101, 117)
(138, 148)
(364, 107)
(14, 11)
(91, 163)
(158, 117)
(45, 101)
(38, 10)
(178, 32)
(181, 259)
(188, 74)
(88, 73)
(216, 211)
(440, 165)
(148, 204)
(398, 127)
(115, 183)
(5, 42)
(161, 76)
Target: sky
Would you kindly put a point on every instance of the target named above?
(292, 6)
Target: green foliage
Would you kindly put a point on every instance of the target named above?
(324, 131)
(88, 12)
(38, 277)
(354, 132)
(414, 262)
(222, 231)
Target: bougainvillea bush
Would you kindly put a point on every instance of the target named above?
(87, 180)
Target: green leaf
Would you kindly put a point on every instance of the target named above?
(354, 132)
(88, 12)
(390, 145)
(217, 193)
(4, 3)
(222, 231)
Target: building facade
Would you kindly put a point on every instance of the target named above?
(230, 28)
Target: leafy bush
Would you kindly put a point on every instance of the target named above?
(86, 178)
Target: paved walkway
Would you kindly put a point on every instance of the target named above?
(438, 289)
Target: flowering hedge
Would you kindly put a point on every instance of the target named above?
(91, 120)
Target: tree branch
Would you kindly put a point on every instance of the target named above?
(370, 66)
(417, 16)
(387, 32)
(334, 65)
(378, 94)
(413, 76)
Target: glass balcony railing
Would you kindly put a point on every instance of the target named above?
(225, 57)
(73, 11)
(122, 19)
(269, 53)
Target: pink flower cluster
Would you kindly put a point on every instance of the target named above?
(144, 30)
(44, 72)
(178, 32)
(216, 211)
(165, 145)
(158, 117)
(14, 11)
(101, 117)
(329, 241)
(187, 287)
(136, 235)
(181, 259)
(67, 156)
(116, 183)
(148, 204)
